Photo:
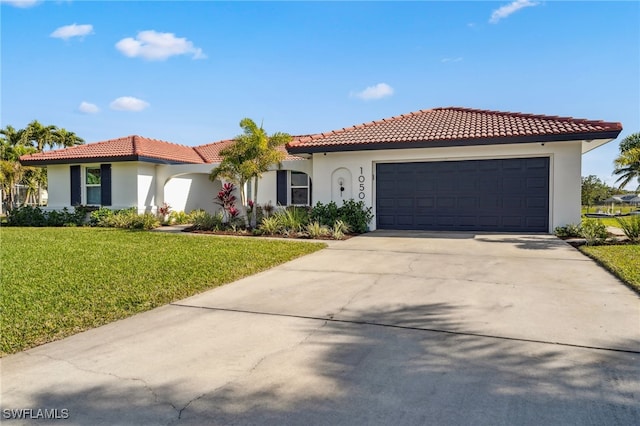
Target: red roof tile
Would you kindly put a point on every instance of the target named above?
(126, 149)
(456, 126)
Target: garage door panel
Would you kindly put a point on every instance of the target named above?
(493, 195)
(446, 202)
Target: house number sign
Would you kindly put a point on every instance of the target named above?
(361, 180)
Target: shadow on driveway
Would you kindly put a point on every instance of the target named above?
(349, 372)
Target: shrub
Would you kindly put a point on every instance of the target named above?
(101, 217)
(65, 218)
(356, 216)
(593, 231)
(316, 230)
(325, 214)
(631, 227)
(292, 219)
(205, 221)
(179, 217)
(270, 225)
(569, 231)
(35, 216)
(339, 229)
(26, 216)
(164, 209)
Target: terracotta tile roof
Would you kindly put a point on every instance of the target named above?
(211, 152)
(455, 126)
(130, 148)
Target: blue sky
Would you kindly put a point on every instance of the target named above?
(188, 72)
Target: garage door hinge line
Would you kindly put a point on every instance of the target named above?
(404, 327)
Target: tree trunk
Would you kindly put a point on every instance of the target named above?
(254, 211)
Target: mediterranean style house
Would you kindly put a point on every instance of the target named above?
(453, 168)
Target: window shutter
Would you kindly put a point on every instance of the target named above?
(76, 186)
(310, 192)
(105, 184)
(281, 185)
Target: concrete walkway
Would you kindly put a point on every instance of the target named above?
(386, 328)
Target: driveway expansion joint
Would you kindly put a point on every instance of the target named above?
(331, 318)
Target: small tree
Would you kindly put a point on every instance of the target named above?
(249, 156)
(594, 191)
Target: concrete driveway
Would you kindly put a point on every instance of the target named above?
(387, 328)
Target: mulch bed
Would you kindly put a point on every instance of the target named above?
(250, 234)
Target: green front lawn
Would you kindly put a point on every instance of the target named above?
(622, 260)
(59, 281)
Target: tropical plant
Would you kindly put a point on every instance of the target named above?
(205, 221)
(339, 229)
(631, 227)
(356, 215)
(10, 175)
(316, 230)
(326, 214)
(227, 201)
(568, 231)
(65, 138)
(628, 162)
(593, 231)
(628, 167)
(631, 141)
(270, 225)
(179, 217)
(249, 156)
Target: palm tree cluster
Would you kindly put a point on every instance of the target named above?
(628, 162)
(14, 143)
(250, 155)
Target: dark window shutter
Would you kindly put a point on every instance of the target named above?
(76, 186)
(310, 192)
(105, 184)
(281, 185)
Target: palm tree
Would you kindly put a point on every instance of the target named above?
(65, 138)
(41, 136)
(9, 139)
(249, 156)
(10, 175)
(628, 167)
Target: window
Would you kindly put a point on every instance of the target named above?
(93, 185)
(299, 184)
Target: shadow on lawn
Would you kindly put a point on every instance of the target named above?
(346, 372)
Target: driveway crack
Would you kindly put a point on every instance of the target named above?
(145, 385)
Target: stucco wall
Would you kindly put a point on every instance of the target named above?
(59, 187)
(190, 192)
(357, 169)
(124, 185)
(146, 187)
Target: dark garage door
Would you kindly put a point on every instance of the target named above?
(510, 195)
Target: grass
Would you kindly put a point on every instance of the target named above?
(622, 260)
(623, 208)
(56, 282)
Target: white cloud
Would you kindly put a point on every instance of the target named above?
(508, 9)
(380, 90)
(88, 108)
(444, 60)
(73, 30)
(21, 3)
(156, 46)
(128, 103)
